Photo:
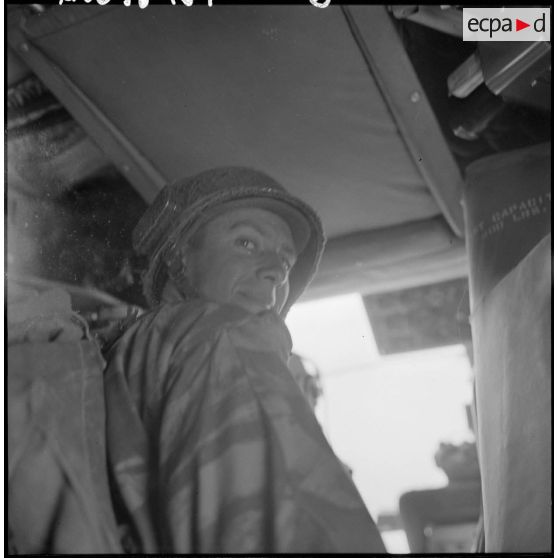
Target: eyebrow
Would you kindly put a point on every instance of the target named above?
(257, 228)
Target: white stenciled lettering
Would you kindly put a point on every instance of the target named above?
(493, 229)
(521, 216)
(144, 3)
(514, 213)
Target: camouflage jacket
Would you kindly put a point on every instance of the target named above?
(213, 448)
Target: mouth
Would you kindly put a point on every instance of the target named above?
(255, 301)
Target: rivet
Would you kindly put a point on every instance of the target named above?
(24, 47)
(415, 97)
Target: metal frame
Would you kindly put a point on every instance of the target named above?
(396, 78)
(395, 257)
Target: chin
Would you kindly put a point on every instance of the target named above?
(256, 309)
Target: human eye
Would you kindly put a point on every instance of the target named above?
(246, 244)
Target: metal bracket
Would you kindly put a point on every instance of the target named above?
(445, 19)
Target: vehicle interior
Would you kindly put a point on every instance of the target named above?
(379, 116)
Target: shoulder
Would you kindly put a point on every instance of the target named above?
(188, 324)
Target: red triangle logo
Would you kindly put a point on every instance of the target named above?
(519, 25)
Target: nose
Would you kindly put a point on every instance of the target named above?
(271, 269)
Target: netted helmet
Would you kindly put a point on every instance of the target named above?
(181, 207)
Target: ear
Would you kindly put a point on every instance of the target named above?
(180, 273)
(176, 264)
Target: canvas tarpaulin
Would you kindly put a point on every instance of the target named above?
(511, 283)
(513, 370)
(280, 88)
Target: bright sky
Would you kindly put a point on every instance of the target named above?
(384, 416)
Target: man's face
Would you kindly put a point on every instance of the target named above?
(243, 257)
